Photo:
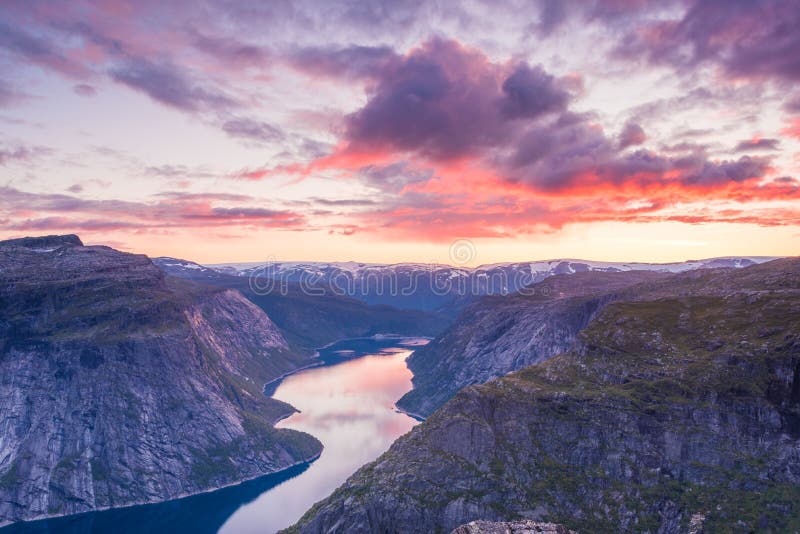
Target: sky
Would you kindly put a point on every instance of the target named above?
(388, 130)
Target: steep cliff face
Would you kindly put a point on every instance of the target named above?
(498, 335)
(678, 407)
(120, 385)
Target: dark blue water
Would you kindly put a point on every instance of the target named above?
(348, 404)
(206, 512)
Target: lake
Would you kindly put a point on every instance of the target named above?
(348, 404)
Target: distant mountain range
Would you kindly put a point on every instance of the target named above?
(428, 287)
(311, 319)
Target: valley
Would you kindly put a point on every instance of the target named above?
(169, 394)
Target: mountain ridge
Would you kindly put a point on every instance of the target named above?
(443, 288)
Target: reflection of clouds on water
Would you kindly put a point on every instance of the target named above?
(349, 407)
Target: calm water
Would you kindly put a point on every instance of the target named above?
(348, 404)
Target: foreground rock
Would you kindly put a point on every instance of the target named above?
(677, 410)
(119, 385)
(513, 527)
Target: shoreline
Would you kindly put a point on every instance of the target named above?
(311, 365)
(309, 460)
(412, 415)
(322, 363)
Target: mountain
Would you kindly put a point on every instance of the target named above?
(443, 288)
(311, 319)
(677, 407)
(120, 385)
(187, 269)
(497, 335)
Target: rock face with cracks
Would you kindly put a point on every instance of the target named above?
(120, 385)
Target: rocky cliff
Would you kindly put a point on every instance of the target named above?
(498, 335)
(119, 385)
(677, 407)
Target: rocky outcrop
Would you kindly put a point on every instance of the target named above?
(676, 410)
(498, 335)
(511, 527)
(120, 385)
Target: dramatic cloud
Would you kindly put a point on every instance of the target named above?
(792, 105)
(446, 101)
(353, 62)
(167, 84)
(632, 134)
(511, 212)
(347, 202)
(577, 155)
(55, 212)
(443, 102)
(531, 92)
(394, 177)
(36, 50)
(252, 130)
(792, 129)
(229, 50)
(425, 120)
(21, 154)
(758, 144)
(748, 38)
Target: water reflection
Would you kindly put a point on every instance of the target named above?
(348, 404)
